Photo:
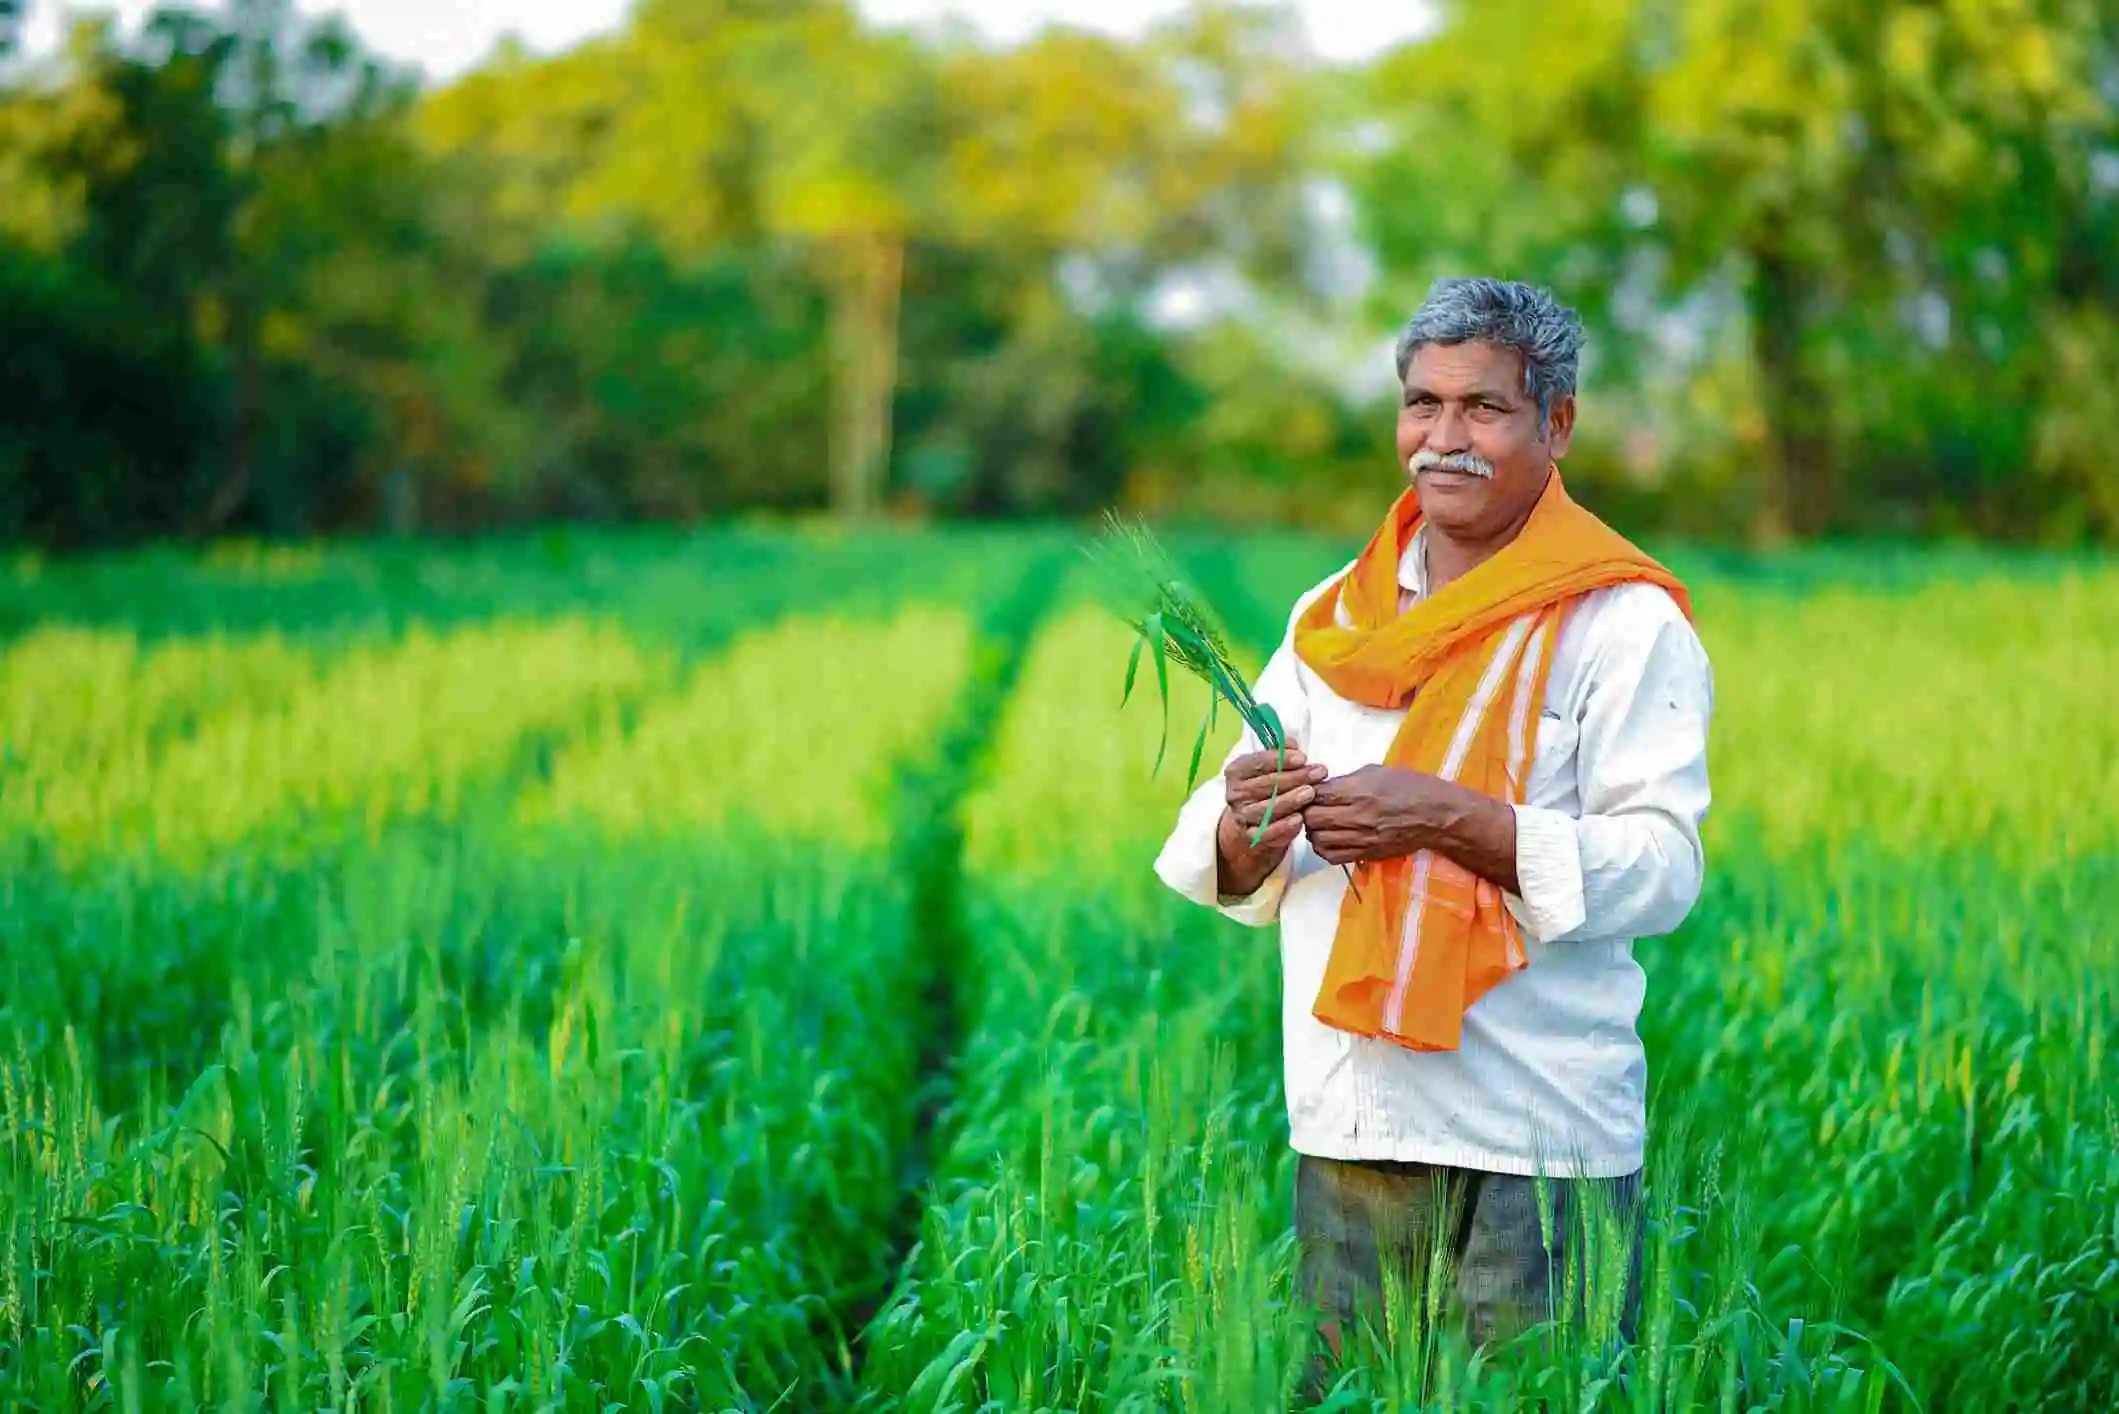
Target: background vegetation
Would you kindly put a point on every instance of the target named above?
(512, 977)
(1848, 267)
(717, 966)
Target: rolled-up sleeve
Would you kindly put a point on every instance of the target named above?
(1189, 862)
(1630, 863)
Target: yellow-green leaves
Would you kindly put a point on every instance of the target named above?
(271, 742)
(794, 732)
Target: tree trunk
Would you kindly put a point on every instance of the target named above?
(240, 451)
(1796, 489)
(867, 276)
(400, 503)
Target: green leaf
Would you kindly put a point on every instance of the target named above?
(1224, 686)
(1267, 818)
(1278, 766)
(955, 1364)
(1192, 650)
(1239, 699)
(1132, 666)
(200, 1093)
(1162, 682)
(1199, 746)
(1273, 733)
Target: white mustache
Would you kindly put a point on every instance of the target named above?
(1472, 462)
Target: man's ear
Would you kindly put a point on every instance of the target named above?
(1562, 434)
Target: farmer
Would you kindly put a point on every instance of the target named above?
(1497, 720)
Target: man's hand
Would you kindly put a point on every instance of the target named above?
(1251, 784)
(1377, 812)
(1382, 812)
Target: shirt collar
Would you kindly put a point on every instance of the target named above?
(1412, 565)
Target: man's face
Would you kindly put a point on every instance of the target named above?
(1469, 399)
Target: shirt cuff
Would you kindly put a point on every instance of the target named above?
(1261, 906)
(1549, 867)
(1190, 864)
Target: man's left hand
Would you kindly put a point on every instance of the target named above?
(1377, 812)
(1383, 812)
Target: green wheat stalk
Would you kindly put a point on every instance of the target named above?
(1169, 619)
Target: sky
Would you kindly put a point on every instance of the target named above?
(446, 37)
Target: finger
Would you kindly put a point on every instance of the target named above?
(1291, 798)
(1335, 846)
(1339, 788)
(1289, 803)
(1262, 768)
(1287, 783)
(1280, 828)
(1347, 848)
(1259, 788)
(1265, 763)
(1278, 835)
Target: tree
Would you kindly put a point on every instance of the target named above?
(1072, 153)
(123, 226)
(727, 94)
(1816, 161)
(240, 183)
(285, 90)
(849, 181)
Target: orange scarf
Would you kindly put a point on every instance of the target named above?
(1422, 938)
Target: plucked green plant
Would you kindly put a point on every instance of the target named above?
(1140, 583)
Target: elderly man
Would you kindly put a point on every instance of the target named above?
(1497, 717)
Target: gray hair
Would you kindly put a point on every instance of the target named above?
(1544, 333)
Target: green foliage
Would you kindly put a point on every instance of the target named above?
(400, 1095)
(1875, 1040)
(1873, 210)
(1170, 622)
(1847, 268)
(113, 422)
(540, 987)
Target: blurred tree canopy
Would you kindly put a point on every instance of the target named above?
(1847, 268)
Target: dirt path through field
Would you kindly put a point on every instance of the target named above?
(929, 848)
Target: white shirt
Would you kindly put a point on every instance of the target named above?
(1550, 1075)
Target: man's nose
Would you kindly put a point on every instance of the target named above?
(1449, 432)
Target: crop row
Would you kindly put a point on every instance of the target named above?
(1884, 1150)
(554, 1013)
(494, 1015)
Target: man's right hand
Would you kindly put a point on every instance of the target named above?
(1250, 784)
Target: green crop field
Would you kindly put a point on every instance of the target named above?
(724, 971)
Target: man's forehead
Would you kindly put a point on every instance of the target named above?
(1474, 363)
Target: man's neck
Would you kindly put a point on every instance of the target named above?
(1451, 557)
